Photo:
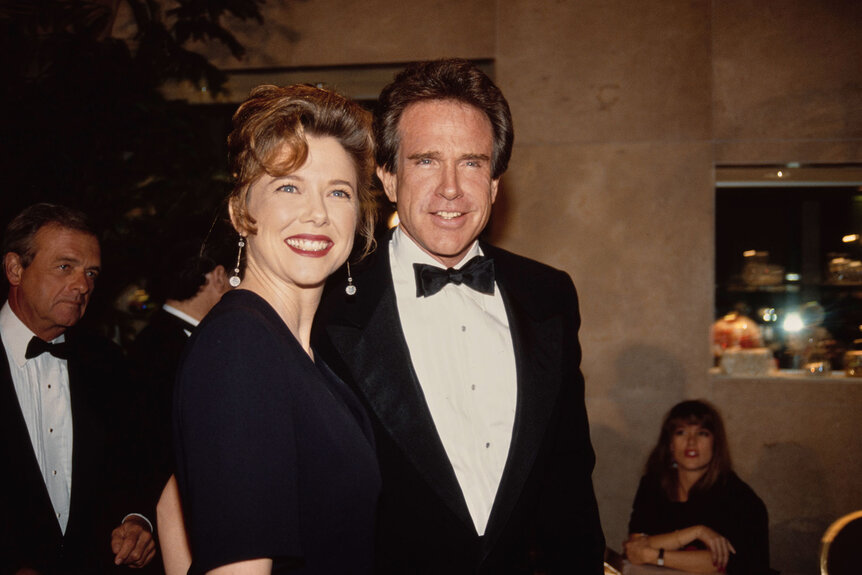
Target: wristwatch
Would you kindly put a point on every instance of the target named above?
(660, 560)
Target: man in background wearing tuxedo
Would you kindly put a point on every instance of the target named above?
(466, 355)
(71, 491)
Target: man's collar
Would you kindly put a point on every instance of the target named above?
(16, 335)
(405, 252)
(180, 314)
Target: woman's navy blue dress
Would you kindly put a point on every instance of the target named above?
(275, 456)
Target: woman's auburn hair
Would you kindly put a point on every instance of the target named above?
(269, 136)
(660, 464)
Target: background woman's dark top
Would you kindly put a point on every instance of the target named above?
(730, 508)
(274, 453)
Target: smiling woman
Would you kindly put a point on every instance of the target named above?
(275, 457)
(691, 511)
(304, 222)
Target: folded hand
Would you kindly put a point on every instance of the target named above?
(717, 544)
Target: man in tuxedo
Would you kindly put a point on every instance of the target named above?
(466, 355)
(71, 492)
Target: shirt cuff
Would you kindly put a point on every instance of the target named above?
(142, 517)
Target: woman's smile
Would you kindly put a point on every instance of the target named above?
(310, 245)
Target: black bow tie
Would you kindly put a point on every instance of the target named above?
(478, 274)
(37, 347)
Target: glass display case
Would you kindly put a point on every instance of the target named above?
(788, 268)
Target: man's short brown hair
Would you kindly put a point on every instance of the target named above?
(20, 235)
(451, 79)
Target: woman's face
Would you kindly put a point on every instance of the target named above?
(691, 447)
(306, 220)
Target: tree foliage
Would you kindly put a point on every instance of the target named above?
(85, 123)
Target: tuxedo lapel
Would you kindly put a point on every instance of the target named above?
(369, 336)
(536, 337)
(89, 436)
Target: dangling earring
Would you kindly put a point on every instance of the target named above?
(235, 280)
(350, 289)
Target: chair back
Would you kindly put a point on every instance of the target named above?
(840, 545)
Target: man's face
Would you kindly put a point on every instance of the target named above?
(51, 294)
(442, 186)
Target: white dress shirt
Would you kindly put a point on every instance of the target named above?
(42, 385)
(461, 350)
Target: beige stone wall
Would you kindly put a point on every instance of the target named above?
(622, 112)
(786, 78)
(622, 108)
(337, 32)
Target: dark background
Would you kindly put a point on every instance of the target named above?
(84, 124)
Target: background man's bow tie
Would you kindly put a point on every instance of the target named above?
(37, 347)
(478, 273)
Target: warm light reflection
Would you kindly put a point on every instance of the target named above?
(749, 253)
(850, 238)
(393, 220)
(793, 323)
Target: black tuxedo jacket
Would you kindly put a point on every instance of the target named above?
(544, 517)
(106, 481)
(155, 357)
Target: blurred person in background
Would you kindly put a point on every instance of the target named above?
(691, 511)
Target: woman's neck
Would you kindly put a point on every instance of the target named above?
(295, 305)
(686, 480)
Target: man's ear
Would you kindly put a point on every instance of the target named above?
(217, 278)
(13, 268)
(390, 184)
(494, 185)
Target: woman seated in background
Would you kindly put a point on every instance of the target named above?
(691, 511)
(275, 461)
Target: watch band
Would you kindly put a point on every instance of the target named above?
(660, 560)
